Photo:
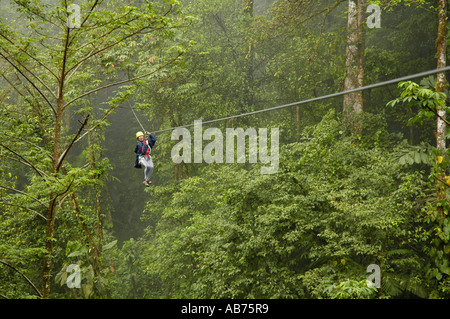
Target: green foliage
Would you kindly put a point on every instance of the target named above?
(419, 154)
(53, 172)
(351, 289)
(435, 231)
(427, 99)
(332, 209)
(338, 203)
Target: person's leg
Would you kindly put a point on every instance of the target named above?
(144, 165)
(147, 164)
(149, 169)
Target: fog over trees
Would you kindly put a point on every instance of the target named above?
(267, 197)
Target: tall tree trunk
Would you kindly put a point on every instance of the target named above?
(250, 56)
(56, 165)
(441, 86)
(51, 210)
(248, 6)
(353, 102)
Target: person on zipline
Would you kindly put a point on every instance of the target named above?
(143, 158)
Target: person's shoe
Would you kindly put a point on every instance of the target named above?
(146, 183)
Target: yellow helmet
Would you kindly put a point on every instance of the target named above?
(139, 134)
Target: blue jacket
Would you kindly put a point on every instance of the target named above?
(142, 148)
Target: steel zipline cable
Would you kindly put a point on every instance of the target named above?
(137, 119)
(323, 97)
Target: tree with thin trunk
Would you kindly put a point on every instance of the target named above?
(354, 54)
(61, 56)
(441, 86)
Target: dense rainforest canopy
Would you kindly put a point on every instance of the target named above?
(360, 179)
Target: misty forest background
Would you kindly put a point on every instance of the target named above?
(362, 178)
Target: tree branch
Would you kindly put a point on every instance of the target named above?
(63, 155)
(18, 92)
(90, 28)
(81, 220)
(63, 66)
(25, 277)
(95, 126)
(25, 161)
(122, 82)
(27, 208)
(31, 82)
(28, 54)
(38, 14)
(93, 27)
(104, 48)
(437, 114)
(74, 71)
(36, 77)
(21, 162)
(23, 193)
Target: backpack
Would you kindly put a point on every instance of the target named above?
(137, 164)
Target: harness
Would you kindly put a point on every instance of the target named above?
(147, 153)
